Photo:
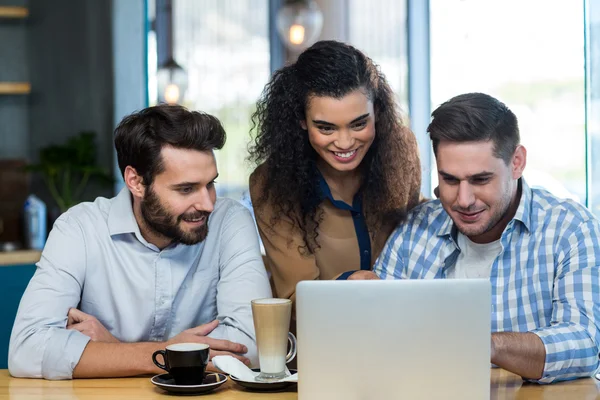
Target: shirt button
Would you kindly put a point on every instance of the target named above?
(366, 252)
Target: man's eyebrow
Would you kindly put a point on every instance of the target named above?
(185, 184)
(446, 175)
(480, 175)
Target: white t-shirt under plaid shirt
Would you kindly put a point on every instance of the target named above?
(546, 279)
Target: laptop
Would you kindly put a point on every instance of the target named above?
(402, 339)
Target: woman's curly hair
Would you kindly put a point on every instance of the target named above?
(391, 169)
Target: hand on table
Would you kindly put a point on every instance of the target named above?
(218, 347)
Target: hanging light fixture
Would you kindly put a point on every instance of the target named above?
(171, 81)
(299, 23)
(171, 78)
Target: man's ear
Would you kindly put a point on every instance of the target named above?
(519, 161)
(134, 182)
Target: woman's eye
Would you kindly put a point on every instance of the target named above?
(326, 129)
(359, 126)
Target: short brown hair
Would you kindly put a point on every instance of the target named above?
(475, 117)
(140, 137)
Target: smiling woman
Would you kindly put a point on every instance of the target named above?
(341, 131)
(337, 169)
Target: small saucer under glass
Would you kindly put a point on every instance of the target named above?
(265, 386)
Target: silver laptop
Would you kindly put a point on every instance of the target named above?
(404, 339)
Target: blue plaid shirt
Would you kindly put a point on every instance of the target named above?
(546, 280)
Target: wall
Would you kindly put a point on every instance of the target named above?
(14, 138)
(70, 63)
(15, 279)
(130, 59)
(64, 49)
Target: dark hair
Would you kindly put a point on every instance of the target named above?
(391, 169)
(140, 137)
(476, 117)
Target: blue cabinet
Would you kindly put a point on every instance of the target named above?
(13, 281)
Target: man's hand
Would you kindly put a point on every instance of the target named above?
(363, 276)
(98, 359)
(218, 347)
(89, 326)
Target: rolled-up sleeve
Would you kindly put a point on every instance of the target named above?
(573, 337)
(389, 264)
(242, 279)
(40, 345)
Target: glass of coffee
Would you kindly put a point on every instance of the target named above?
(272, 324)
(185, 362)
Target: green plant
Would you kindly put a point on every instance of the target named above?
(67, 169)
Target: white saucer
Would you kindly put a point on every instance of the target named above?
(264, 386)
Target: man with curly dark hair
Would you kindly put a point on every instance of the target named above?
(337, 170)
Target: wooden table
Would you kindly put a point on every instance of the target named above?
(504, 385)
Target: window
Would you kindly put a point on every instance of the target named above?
(224, 48)
(530, 55)
(593, 103)
(380, 32)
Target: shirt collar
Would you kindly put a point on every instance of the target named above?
(523, 213)
(445, 228)
(120, 216)
(326, 194)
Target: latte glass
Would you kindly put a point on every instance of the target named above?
(272, 324)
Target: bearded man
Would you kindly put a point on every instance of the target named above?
(163, 262)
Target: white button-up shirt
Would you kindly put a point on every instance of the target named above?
(95, 259)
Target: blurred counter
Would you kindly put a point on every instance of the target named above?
(19, 257)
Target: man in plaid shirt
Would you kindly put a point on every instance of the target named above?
(540, 253)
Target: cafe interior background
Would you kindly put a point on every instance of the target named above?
(71, 69)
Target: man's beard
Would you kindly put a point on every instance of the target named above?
(161, 221)
(501, 208)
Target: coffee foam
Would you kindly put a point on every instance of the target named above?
(271, 301)
(187, 347)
